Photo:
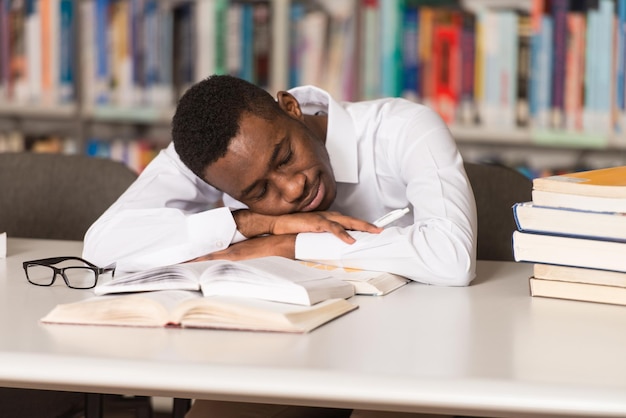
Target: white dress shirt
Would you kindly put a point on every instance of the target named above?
(386, 154)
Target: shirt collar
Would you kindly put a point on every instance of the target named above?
(341, 141)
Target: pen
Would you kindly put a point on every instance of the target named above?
(394, 215)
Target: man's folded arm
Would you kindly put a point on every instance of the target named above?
(138, 239)
(437, 252)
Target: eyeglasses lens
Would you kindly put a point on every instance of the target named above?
(80, 277)
(40, 275)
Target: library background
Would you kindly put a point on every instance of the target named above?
(534, 84)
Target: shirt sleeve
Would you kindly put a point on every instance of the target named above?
(437, 246)
(167, 216)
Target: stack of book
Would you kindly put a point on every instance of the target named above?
(574, 230)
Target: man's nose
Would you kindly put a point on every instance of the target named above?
(292, 186)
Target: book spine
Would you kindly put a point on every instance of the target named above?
(410, 62)
(247, 43)
(205, 39)
(370, 49)
(261, 44)
(87, 39)
(67, 51)
(524, 34)
(391, 49)
(222, 33)
(467, 114)
(101, 52)
(137, 52)
(544, 76)
(574, 71)
(234, 41)
(605, 66)
(33, 51)
(559, 10)
(620, 75)
(4, 49)
(425, 41)
(446, 65)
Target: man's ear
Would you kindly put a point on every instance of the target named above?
(289, 104)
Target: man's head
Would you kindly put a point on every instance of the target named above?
(263, 152)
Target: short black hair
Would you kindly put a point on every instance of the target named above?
(208, 114)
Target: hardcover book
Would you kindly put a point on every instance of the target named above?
(578, 291)
(569, 251)
(605, 182)
(189, 309)
(563, 221)
(579, 275)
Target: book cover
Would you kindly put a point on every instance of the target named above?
(569, 251)
(584, 292)
(178, 308)
(563, 221)
(604, 182)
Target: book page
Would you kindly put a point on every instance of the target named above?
(179, 276)
(273, 278)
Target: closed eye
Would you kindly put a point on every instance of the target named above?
(286, 159)
(260, 194)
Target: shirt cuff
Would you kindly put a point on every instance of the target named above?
(319, 246)
(219, 221)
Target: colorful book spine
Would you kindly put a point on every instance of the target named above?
(102, 76)
(620, 72)
(67, 52)
(391, 47)
(410, 62)
(370, 49)
(247, 43)
(558, 10)
(575, 71)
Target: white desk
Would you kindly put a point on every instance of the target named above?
(489, 349)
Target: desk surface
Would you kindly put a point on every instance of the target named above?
(488, 349)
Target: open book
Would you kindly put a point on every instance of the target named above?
(365, 282)
(182, 308)
(271, 278)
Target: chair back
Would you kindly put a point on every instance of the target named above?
(56, 196)
(496, 189)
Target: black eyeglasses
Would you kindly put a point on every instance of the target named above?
(81, 274)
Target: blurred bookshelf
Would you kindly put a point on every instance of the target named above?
(102, 77)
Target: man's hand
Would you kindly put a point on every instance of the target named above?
(252, 224)
(281, 245)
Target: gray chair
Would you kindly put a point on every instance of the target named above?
(496, 189)
(54, 196)
(57, 196)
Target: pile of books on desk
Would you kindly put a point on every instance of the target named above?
(574, 231)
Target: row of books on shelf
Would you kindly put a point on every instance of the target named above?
(574, 232)
(558, 66)
(130, 52)
(135, 153)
